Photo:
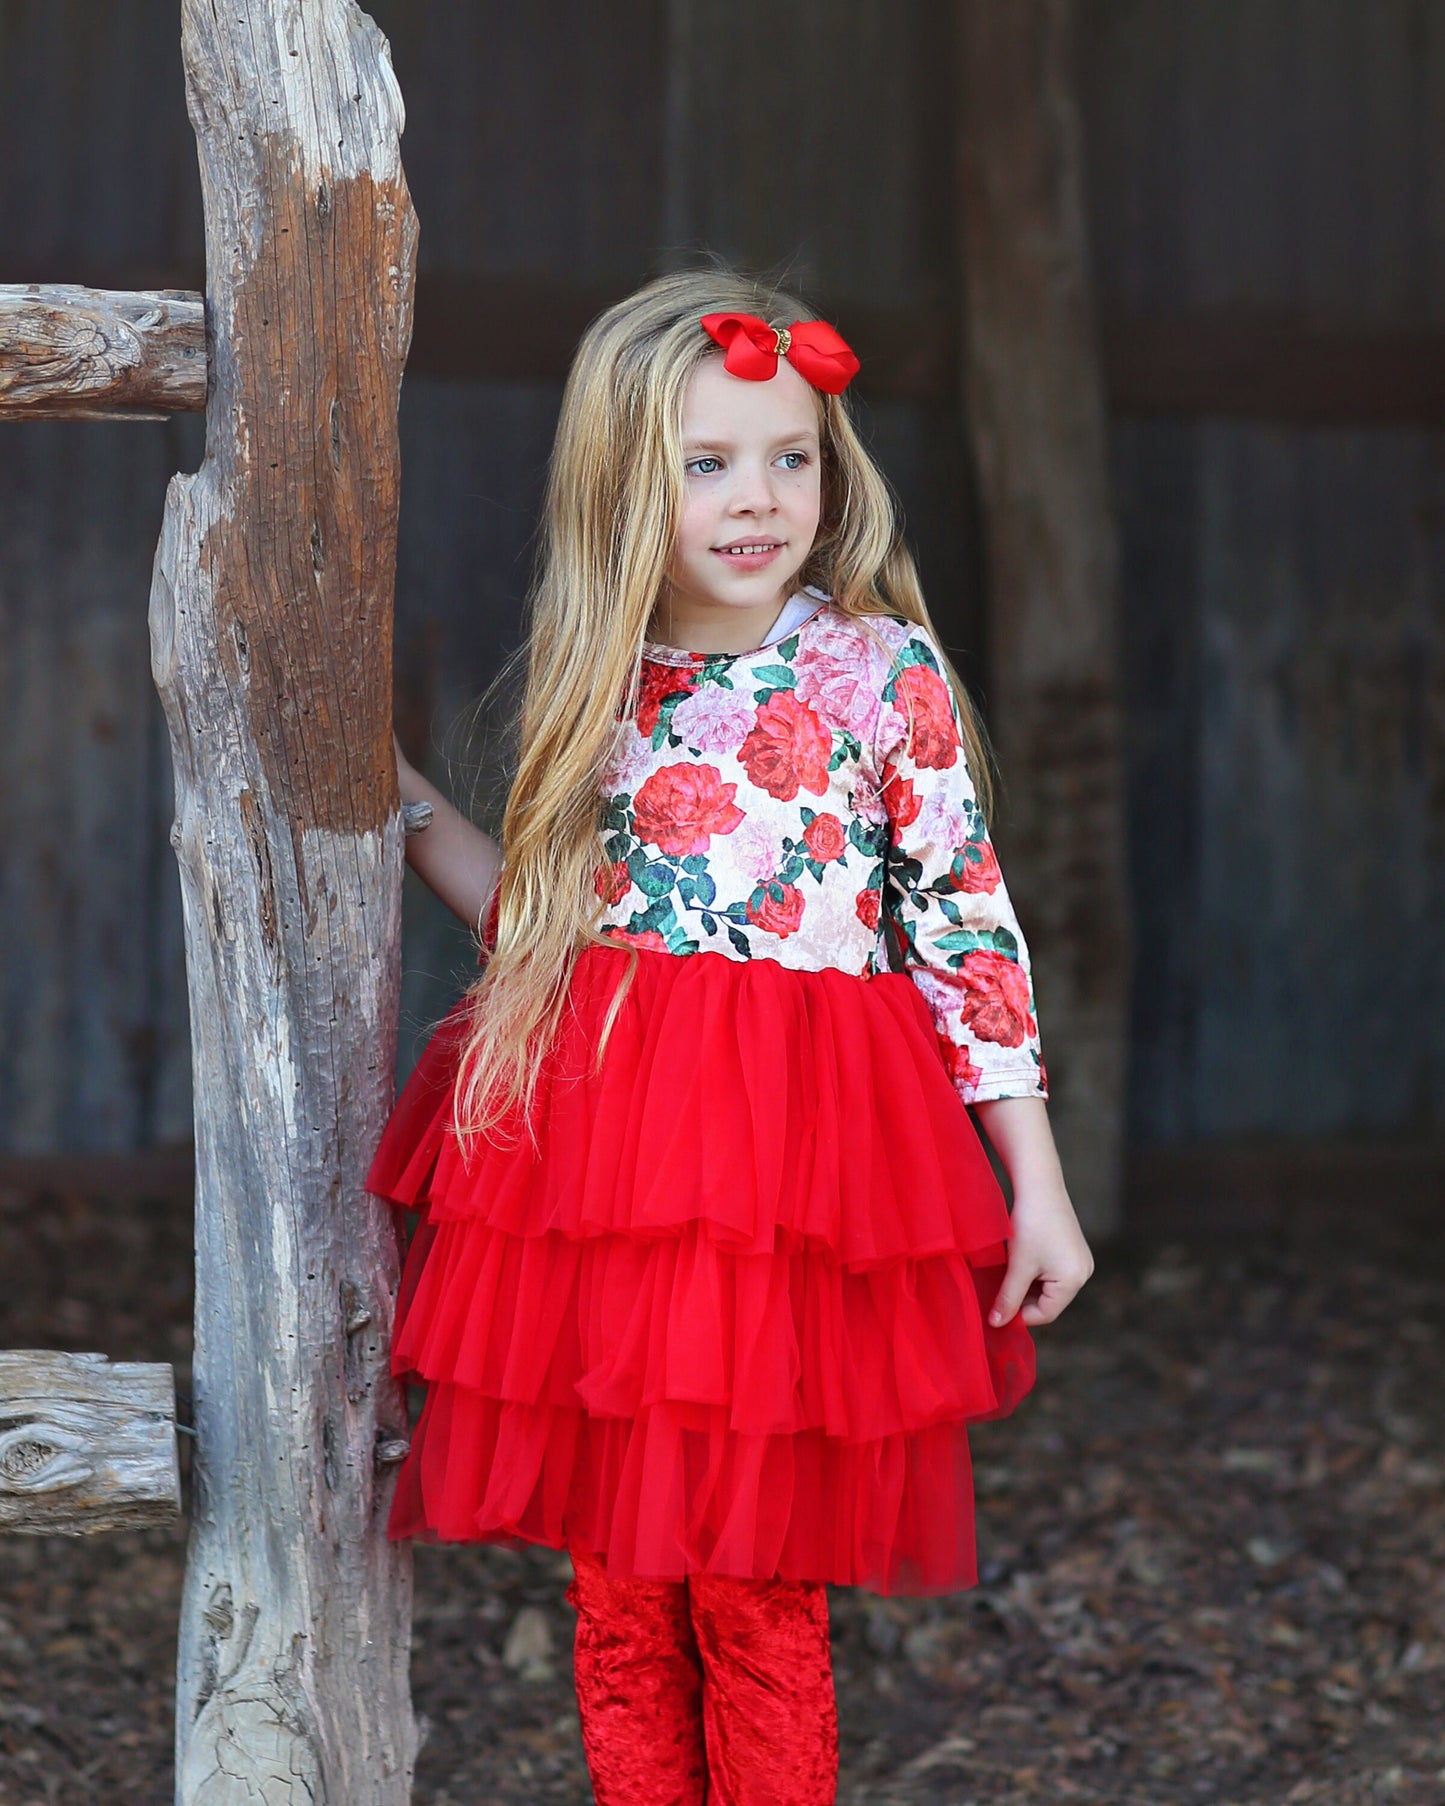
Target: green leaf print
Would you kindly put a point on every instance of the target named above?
(654, 878)
(740, 944)
(695, 863)
(870, 838)
(777, 677)
(914, 653)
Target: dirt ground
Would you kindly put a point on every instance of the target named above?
(1213, 1548)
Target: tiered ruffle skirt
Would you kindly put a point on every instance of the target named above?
(730, 1314)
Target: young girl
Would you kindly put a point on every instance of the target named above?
(713, 1271)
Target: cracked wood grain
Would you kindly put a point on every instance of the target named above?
(271, 611)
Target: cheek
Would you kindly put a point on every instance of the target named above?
(694, 527)
(808, 507)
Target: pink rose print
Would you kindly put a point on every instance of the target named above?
(658, 683)
(902, 800)
(935, 742)
(788, 749)
(712, 719)
(996, 998)
(941, 822)
(631, 761)
(978, 876)
(612, 882)
(833, 678)
(681, 807)
(961, 1068)
(865, 907)
(756, 849)
(824, 838)
(781, 919)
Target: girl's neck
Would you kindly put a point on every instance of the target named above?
(721, 630)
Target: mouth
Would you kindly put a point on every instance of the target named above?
(750, 552)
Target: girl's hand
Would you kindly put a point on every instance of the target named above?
(1049, 1260)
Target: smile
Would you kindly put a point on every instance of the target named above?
(760, 548)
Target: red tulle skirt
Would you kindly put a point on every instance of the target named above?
(729, 1315)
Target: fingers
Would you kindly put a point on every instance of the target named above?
(1022, 1271)
(1036, 1294)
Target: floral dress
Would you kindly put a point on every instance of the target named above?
(725, 1310)
(774, 805)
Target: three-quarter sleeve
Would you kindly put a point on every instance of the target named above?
(943, 891)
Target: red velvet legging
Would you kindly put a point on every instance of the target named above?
(705, 1690)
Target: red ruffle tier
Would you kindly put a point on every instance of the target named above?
(731, 1317)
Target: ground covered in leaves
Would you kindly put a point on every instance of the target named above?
(1213, 1548)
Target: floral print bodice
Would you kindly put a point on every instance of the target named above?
(774, 804)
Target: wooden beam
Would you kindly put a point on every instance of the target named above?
(1033, 398)
(86, 1444)
(71, 353)
(1273, 1187)
(1261, 364)
(131, 1176)
(1274, 365)
(271, 628)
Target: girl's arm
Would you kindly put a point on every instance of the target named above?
(452, 856)
(1049, 1260)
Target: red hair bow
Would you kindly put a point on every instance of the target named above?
(812, 347)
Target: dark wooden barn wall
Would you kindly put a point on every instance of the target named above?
(1284, 587)
(567, 145)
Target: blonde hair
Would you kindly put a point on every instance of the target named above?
(614, 495)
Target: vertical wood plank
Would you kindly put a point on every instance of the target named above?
(271, 614)
(1034, 403)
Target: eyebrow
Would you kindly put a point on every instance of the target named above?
(807, 432)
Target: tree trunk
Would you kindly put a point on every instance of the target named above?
(1034, 401)
(271, 619)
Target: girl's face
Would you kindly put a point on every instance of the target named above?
(752, 501)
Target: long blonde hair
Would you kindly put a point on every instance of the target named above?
(614, 495)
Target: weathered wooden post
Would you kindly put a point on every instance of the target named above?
(1034, 402)
(271, 613)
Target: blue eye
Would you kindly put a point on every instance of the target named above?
(695, 464)
(793, 460)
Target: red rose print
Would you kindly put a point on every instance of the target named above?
(779, 918)
(977, 876)
(612, 882)
(865, 906)
(900, 799)
(788, 750)
(824, 838)
(934, 742)
(658, 683)
(648, 939)
(996, 998)
(961, 1068)
(680, 807)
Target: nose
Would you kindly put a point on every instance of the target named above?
(753, 491)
